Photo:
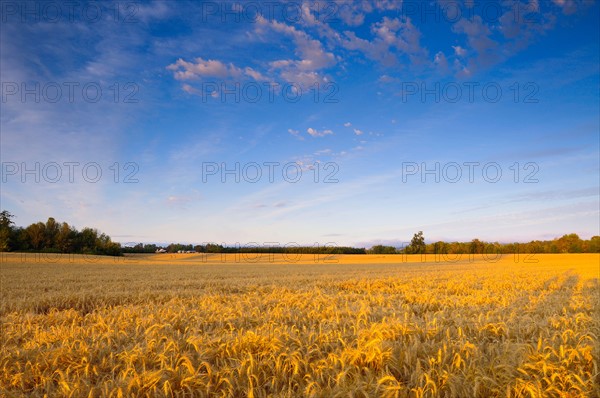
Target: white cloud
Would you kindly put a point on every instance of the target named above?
(358, 132)
(323, 29)
(347, 124)
(316, 133)
(441, 62)
(459, 51)
(461, 70)
(568, 6)
(259, 77)
(154, 10)
(181, 201)
(387, 79)
(201, 68)
(351, 16)
(478, 36)
(295, 133)
(386, 5)
(185, 70)
(189, 89)
(393, 38)
(312, 56)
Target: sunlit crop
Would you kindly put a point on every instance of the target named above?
(360, 326)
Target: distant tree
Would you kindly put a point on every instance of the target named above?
(140, 248)
(6, 219)
(417, 244)
(6, 224)
(110, 248)
(87, 240)
(19, 239)
(37, 235)
(570, 243)
(213, 248)
(535, 246)
(440, 247)
(594, 245)
(381, 249)
(476, 247)
(65, 237)
(492, 248)
(51, 231)
(53, 236)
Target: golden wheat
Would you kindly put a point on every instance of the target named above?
(322, 326)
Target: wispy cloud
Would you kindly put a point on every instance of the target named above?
(318, 133)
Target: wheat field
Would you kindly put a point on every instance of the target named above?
(194, 325)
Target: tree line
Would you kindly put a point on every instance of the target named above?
(217, 248)
(60, 237)
(54, 237)
(569, 243)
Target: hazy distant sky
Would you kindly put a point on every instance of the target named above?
(360, 97)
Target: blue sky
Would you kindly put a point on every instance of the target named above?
(348, 123)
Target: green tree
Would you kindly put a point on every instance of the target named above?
(6, 224)
(570, 243)
(37, 235)
(417, 244)
(65, 237)
(440, 247)
(212, 248)
(51, 232)
(476, 246)
(594, 245)
(381, 249)
(19, 239)
(88, 238)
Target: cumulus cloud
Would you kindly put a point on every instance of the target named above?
(259, 77)
(316, 133)
(153, 11)
(478, 36)
(189, 89)
(358, 132)
(351, 16)
(387, 79)
(312, 56)
(459, 51)
(441, 62)
(567, 6)
(393, 40)
(393, 37)
(387, 5)
(200, 67)
(296, 133)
